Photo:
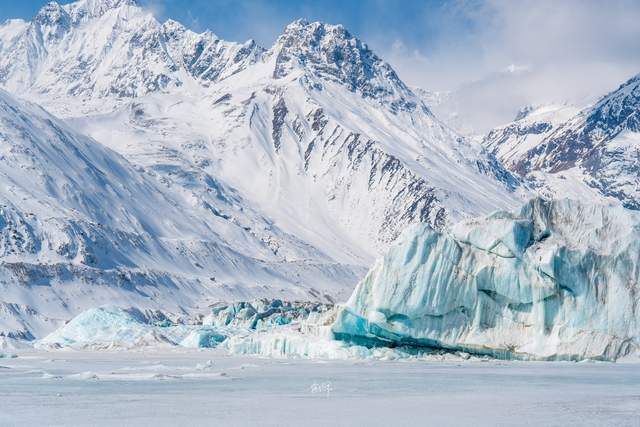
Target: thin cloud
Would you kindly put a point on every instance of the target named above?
(563, 51)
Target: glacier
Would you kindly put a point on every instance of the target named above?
(112, 328)
(261, 327)
(557, 280)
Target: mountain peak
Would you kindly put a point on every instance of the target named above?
(49, 8)
(332, 53)
(96, 8)
(58, 18)
(111, 4)
(524, 112)
(303, 25)
(173, 28)
(52, 21)
(317, 33)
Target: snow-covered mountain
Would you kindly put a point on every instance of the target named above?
(530, 126)
(81, 226)
(594, 153)
(96, 49)
(273, 108)
(291, 166)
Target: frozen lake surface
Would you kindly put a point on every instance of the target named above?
(210, 388)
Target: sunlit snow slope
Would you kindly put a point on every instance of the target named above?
(81, 227)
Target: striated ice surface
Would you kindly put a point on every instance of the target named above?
(310, 337)
(557, 280)
(293, 330)
(290, 343)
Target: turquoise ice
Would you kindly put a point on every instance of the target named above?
(110, 327)
(557, 280)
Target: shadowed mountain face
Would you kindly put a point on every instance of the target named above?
(593, 153)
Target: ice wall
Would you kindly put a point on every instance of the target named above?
(557, 280)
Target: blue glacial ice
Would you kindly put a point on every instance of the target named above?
(111, 327)
(295, 330)
(263, 314)
(203, 337)
(557, 280)
(269, 328)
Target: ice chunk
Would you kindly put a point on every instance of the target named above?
(112, 327)
(262, 314)
(557, 280)
(203, 338)
(102, 327)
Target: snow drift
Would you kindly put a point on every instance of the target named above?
(557, 280)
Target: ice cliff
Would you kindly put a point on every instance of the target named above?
(556, 280)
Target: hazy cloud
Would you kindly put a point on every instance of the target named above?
(525, 52)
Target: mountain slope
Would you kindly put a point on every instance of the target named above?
(593, 153)
(577, 139)
(81, 226)
(532, 124)
(359, 150)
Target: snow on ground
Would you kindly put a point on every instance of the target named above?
(207, 387)
(278, 364)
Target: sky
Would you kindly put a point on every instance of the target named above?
(494, 56)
